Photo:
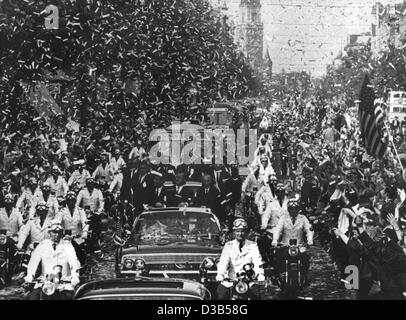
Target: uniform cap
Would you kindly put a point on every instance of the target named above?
(56, 225)
(240, 224)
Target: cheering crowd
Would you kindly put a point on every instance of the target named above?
(317, 150)
(60, 171)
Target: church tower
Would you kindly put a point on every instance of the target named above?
(249, 33)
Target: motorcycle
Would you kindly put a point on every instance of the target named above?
(4, 259)
(264, 242)
(9, 259)
(108, 196)
(52, 285)
(251, 210)
(95, 230)
(289, 273)
(242, 284)
(80, 246)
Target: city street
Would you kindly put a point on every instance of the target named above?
(325, 281)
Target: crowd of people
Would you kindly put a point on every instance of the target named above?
(317, 151)
(60, 172)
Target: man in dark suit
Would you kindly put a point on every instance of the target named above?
(180, 196)
(142, 185)
(210, 197)
(128, 175)
(159, 197)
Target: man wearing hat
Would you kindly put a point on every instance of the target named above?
(50, 253)
(275, 209)
(29, 195)
(59, 186)
(92, 200)
(263, 200)
(36, 228)
(116, 161)
(50, 200)
(235, 255)
(293, 226)
(74, 219)
(104, 172)
(80, 174)
(10, 217)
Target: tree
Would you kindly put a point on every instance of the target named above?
(168, 47)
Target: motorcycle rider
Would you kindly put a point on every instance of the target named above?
(46, 196)
(294, 226)
(58, 184)
(36, 228)
(28, 196)
(10, 217)
(74, 219)
(91, 199)
(79, 175)
(263, 200)
(235, 255)
(103, 175)
(52, 252)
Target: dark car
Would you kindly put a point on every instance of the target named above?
(142, 289)
(171, 242)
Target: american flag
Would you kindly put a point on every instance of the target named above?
(371, 119)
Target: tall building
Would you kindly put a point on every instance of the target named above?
(249, 32)
(388, 26)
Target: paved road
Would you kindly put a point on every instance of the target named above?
(325, 282)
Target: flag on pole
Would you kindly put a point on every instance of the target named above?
(371, 120)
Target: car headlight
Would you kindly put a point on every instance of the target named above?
(293, 251)
(208, 263)
(128, 263)
(48, 289)
(241, 287)
(248, 267)
(139, 264)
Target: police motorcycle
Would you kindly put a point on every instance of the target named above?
(8, 257)
(240, 285)
(108, 196)
(95, 236)
(52, 285)
(251, 210)
(289, 274)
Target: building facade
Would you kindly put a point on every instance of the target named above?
(249, 32)
(388, 26)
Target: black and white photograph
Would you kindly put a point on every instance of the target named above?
(215, 151)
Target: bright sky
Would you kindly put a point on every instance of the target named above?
(308, 34)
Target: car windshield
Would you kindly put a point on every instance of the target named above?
(164, 228)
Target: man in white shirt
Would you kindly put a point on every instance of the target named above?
(51, 253)
(235, 255)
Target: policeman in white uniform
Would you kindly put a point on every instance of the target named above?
(10, 217)
(235, 255)
(294, 226)
(50, 253)
(36, 228)
(74, 219)
(58, 184)
(91, 199)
